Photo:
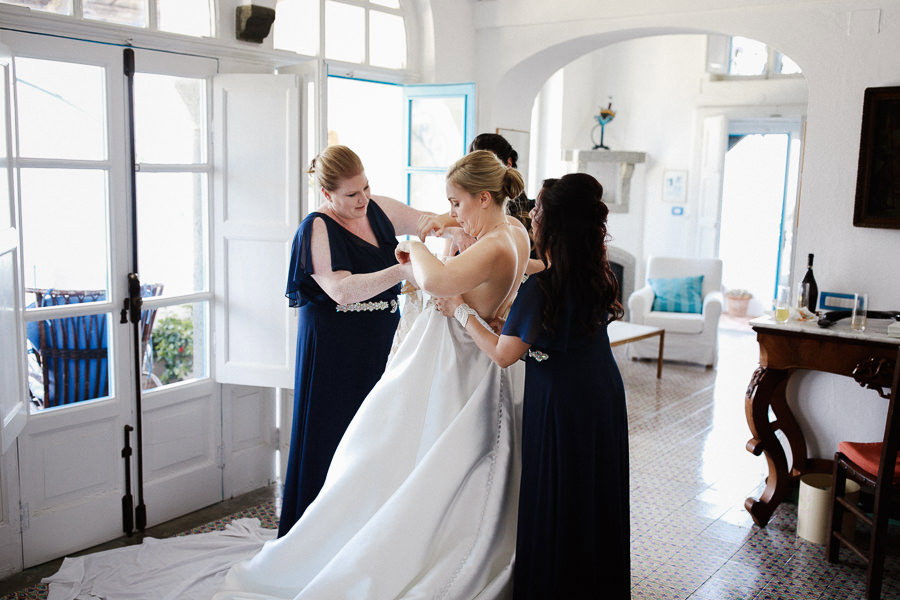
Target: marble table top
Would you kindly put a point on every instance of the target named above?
(876, 329)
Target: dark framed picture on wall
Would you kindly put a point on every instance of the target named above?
(878, 177)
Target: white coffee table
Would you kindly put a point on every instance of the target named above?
(621, 333)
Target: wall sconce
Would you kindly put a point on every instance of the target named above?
(253, 22)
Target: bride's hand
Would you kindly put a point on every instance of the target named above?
(406, 272)
(497, 324)
(459, 240)
(447, 306)
(402, 252)
(429, 225)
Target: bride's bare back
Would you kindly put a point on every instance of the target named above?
(501, 257)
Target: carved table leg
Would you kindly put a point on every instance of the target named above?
(767, 388)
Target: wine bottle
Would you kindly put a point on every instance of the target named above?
(810, 280)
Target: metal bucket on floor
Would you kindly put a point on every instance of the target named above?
(814, 507)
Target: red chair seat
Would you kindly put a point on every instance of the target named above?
(867, 455)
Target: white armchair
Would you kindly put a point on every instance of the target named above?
(691, 337)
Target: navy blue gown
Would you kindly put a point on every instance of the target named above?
(340, 354)
(573, 529)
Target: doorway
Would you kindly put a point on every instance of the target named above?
(759, 199)
(80, 241)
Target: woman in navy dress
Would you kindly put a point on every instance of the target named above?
(573, 523)
(344, 278)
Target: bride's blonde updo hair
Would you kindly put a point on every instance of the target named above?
(334, 164)
(480, 171)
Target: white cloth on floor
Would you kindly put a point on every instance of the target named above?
(421, 497)
(190, 567)
(420, 500)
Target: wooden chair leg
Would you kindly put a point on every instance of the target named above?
(838, 486)
(878, 543)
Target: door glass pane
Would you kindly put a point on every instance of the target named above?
(437, 131)
(297, 26)
(6, 208)
(190, 17)
(428, 191)
(70, 361)
(345, 32)
(388, 3)
(176, 349)
(373, 129)
(64, 228)
(387, 40)
(61, 110)
(172, 230)
(123, 12)
(169, 119)
(62, 7)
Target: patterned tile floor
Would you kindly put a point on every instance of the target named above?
(691, 537)
(690, 473)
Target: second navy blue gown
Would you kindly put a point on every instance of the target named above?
(340, 355)
(573, 527)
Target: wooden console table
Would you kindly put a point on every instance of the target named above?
(783, 348)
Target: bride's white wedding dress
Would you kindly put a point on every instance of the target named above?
(421, 497)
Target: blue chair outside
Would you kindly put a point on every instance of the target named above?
(73, 351)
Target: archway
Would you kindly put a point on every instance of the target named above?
(663, 94)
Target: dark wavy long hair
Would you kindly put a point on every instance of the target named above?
(570, 238)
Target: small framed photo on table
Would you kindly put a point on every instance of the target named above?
(674, 186)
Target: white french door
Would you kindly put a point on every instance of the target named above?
(79, 240)
(181, 407)
(13, 406)
(72, 192)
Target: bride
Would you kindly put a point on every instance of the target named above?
(420, 499)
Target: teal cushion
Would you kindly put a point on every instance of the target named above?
(679, 294)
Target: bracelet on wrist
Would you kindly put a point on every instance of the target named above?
(462, 313)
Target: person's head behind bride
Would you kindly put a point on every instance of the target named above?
(488, 272)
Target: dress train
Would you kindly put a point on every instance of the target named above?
(420, 500)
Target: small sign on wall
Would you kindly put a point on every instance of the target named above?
(674, 186)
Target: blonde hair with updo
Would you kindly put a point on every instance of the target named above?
(333, 165)
(481, 171)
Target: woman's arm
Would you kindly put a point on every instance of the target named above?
(458, 275)
(410, 221)
(534, 266)
(345, 287)
(437, 225)
(406, 219)
(502, 349)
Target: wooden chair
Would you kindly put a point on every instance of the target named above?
(73, 350)
(874, 466)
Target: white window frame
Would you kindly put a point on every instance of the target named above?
(152, 17)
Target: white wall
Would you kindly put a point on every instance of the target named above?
(843, 46)
(661, 93)
(655, 86)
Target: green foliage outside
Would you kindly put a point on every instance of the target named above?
(173, 348)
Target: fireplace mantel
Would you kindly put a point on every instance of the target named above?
(612, 168)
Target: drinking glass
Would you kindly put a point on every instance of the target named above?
(858, 314)
(783, 304)
(802, 295)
